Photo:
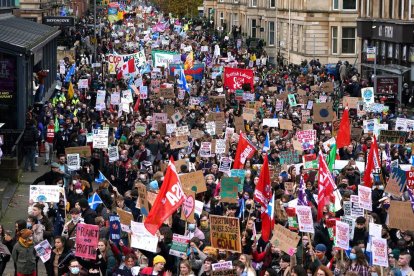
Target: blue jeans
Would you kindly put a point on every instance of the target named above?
(40, 93)
(29, 158)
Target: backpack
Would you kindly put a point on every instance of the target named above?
(29, 136)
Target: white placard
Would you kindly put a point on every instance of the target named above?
(127, 95)
(271, 122)
(113, 154)
(45, 193)
(365, 197)
(342, 235)
(73, 161)
(100, 100)
(222, 265)
(141, 238)
(220, 146)
(170, 128)
(100, 138)
(83, 83)
(305, 219)
(115, 98)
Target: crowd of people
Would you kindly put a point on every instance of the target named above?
(148, 117)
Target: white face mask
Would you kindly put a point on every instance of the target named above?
(78, 191)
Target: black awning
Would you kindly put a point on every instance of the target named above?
(23, 36)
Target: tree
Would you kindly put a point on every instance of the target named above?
(180, 8)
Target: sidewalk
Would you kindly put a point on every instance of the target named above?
(17, 208)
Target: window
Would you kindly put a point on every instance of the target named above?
(271, 31)
(334, 31)
(348, 40)
(349, 4)
(254, 3)
(235, 19)
(381, 8)
(221, 19)
(236, 1)
(335, 4)
(391, 8)
(273, 3)
(254, 28)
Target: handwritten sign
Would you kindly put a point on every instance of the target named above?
(194, 181)
(342, 235)
(365, 197)
(45, 193)
(305, 219)
(83, 152)
(179, 245)
(229, 189)
(225, 233)
(87, 237)
(285, 239)
(141, 238)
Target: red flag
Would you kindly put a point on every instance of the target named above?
(136, 106)
(326, 185)
(234, 78)
(131, 66)
(263, 193)
(170, 197)
(343, 138)
(373, 162)
(268, 219)
(245, 150)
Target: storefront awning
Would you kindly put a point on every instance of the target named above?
(24, 36)
(390, 68)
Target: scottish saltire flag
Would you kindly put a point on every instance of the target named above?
(145, 69)
(266, 145)
(70, 73)
(182, 82)
(270, 208)
(302, 200)
(94, 201)
(101, 178)
(242, 208)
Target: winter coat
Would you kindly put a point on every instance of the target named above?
(25, 258)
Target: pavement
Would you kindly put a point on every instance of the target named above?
(15, 203)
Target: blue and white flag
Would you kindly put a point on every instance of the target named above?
(70, 72)
(242, 208)
(266, 145)
(94, 201)
(182, 82)
(101, 178)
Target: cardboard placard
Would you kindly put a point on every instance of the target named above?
(188, 206)
(356, 133)
(392, 136)
(351, 102)
(194, 181)
(327, 87)
(124, 216)
(285, 124)
(249, 114)
(239, 124)
(142, 202)
(224, 272)
(167, 93)
(216, 116)
(219, 101)
(179, 142)
(323, 112)
(197, 134)
(396, 182)
(401, 215)
(83, 152)
(285, 239)
(225, 233)
(229, 189)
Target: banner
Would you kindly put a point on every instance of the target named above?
(87, 237)
(142, 239)
(114, 229)
(116, 62)
(234, 78)
(196, 72)
(225, 233)
(162, 58)
(44, 250)
(379, 251)
(45, 193)
(179, 245)
(342, 235)
(305, 219)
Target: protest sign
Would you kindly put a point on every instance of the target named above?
(220, 146)
(100, 100)
(142, 202)
(125, 218)
(179, 245)
(229, 132)
(45, 193)
(225, 233)
(327, 87)
(392, 136)
(307, 138)
(289, 157)
(170, 128)
(87, 237)
(285, 124)
(323, 112)
(351, 102)
(222, 266)
(188, 206)
(379, 251)
(84, 151)
(73, 161)
(351, 223)
(225, 164)
(44, 250)
(141, 238)
(114, 228)
(292, 100)
(396, 182)
(159, 118)
(211, 128)
(194, 181)
(83, 83)
(229, 189)
(205, 149)
(100, 138)
(367, 95)
(365, 197)
(113, 154)
(249, 114)
(347, 208)
(178, 142)
(224, 272)
(115, 98)
(401, 215)
(342, 235)
(182, 130)
(285, 239)
(239, 124)
(356, 210)
(305, 219)
(271, 122)
(375, 230)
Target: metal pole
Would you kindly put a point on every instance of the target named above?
(94, 30)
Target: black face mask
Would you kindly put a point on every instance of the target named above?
(248, 206)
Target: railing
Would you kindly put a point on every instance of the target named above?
(12, 144)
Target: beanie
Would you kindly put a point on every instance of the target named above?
(158, 259)
(25, 233)
(320, 247)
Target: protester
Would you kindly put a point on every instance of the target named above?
(24, 254)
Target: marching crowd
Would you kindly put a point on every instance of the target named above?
(166, 171)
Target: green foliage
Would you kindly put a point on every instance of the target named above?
(180, 8)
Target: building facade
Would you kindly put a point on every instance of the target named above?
(295, 29)
(386, 27)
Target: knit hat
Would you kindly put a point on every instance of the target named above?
(158, 259)
(395, 253)
(83, 203)
(320, 247)
(25, 233)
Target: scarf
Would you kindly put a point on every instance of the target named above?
(25, 243)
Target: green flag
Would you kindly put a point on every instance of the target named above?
(332, 157)
(56, 124)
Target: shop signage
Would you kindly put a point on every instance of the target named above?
(59, 20)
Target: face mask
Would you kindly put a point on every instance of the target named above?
(191, 227)
(204, 224)
(386, 206)
(380, 187)
(246, 196)
(78, 191)
(285, 205)
(352, 256)
(28, 225)
(75, 220)
(374, 274)
(74, 270)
